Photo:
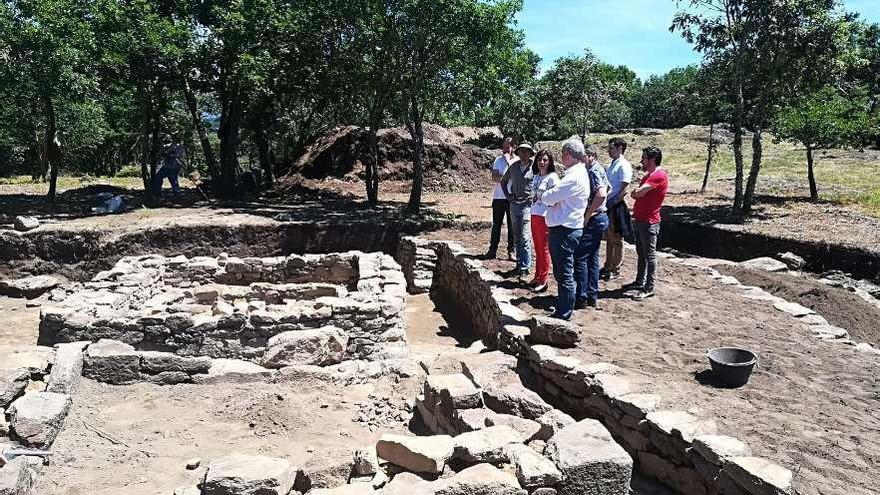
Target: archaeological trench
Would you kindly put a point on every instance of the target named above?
(515, 418)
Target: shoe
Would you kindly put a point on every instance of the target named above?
(539, 288)
(580, 304)
(632, 286)
(554, 314)
(490, 255)
(609, 276)
(511, 256)
(593, 303)
(642, 295)
(515, 273)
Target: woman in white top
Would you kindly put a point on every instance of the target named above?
(544, 172)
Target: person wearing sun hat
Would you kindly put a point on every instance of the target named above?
(517, 186)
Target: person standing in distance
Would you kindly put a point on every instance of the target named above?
(500, 205)
(173, 155)
(649, 198)
(619, 175)
(566, 204)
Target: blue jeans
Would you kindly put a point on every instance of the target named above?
(563, 244)
(520, 224)
(586, 259)
(171, 174)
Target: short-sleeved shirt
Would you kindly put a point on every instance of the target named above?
(500, 166)
(647, 208)
(598, 180)
(618, 172)
(174, 155)
(540, 184)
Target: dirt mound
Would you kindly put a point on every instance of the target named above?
(454, 159)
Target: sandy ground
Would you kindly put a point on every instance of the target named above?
(811, 406)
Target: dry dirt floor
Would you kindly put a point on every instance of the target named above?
(811, 406)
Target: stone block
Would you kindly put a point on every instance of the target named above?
(157, 362)
(19, 475)
(759, 476)
(454, 391)
(24, 223)
(591, 462)
(322, 346)
(417, 454)
(29, 287)
(793, 309)
(551, 422)
(637, 405)
(324, 471)
(766, 264)
(410, 484)
(515, 399)
(486, 445)
(366, 463)
(555, 332)
(113, 362)
(527, 428)
(67, 369)
(12, 384)
(684, 479)
(37, 418)
(681, 424)
(242, 474)
(233, 370)
(482, 479)
(717, 448)
(353, 489)
(533, 470)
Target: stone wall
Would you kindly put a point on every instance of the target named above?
(683, 451)
(418, 260)
(229, 307)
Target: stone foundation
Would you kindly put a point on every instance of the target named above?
(228, 307)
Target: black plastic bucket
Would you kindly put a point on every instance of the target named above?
(732, 366)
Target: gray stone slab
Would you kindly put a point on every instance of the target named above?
(19, 475)
(68, 368)
(759, 476)
(12, 384)
(37, 418)
(417, 454)
(716, 448)
(113, 362)
(242, 474)
(591, 462)
(29, 287)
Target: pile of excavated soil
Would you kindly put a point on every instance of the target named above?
(841, 308)
(454, 159)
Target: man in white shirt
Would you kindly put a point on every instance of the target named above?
(619, 175)
(567, 203)
(500, 205)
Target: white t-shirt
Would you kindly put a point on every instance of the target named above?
(567, 200)
(618, 172)
(500, 165)
(541, 184)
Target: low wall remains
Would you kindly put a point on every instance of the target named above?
(683, 451)
(228, 307)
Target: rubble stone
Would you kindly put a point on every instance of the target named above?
(19, 475)
(12, 384)
(29, 287)
(716, 448)
(516, 400)
(67, 369)
(532, 469)
(551, 422)
(409, 484)
(591, 462)
(242, 474)
(759, 476)
(486, 445)
(527, 428)
(322, 346)
(482, 479)
(37, 418)
(111, 361)
(766, 264)
(366, 463)
(556, 332)
(24, 223)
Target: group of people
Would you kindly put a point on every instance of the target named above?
(566, 211)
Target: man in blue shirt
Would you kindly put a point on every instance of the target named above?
(619, 177)
(586, 257)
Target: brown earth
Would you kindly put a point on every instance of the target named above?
(810, 406)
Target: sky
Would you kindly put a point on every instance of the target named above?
(634, 33)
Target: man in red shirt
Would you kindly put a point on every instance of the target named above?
(649, 198)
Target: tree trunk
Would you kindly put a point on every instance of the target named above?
(414, 125)
(145, 136)
(156, 130)
(710, 153)
(738, 117)
(53, 147)
(757, 151)
(264, 156)
(230, 122)
(814, 191)
(207, 150)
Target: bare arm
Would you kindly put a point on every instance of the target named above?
(504, 180)
(642, 191)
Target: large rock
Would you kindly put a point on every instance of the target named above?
(551, 422)
(19, 475)
(417, 454)
(454, 391)
(325, 471)
(111, 361)
(28, 287)
(765, 263)
(410, 484)
(12, 384)
(791, 260)
(555, 332)
(158, 362)
(24, 223)
(242, 474)
(37, 417)
(486, 445)
(759, 476)
(591, 462)
(529, 429)
(482, 479)
(322, 346)
(532, 469)
(717, 448)
(516, 400)
(67, 369)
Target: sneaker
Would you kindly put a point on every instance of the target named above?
(609, 276)
(632, 286)
(643, 294)
(580, 304)
(539, 288)
(511, 256)
(490, 255)
(593, 303)
(554, 314)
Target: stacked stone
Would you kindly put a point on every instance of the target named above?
(418, 257)
(117, 363)
(186, 306)
(677, 448)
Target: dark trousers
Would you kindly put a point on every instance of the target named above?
(586, 258)
(563, 244)
(500, 211)
(646, 247)
(171, 174)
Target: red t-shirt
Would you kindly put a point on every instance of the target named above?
(647, 208)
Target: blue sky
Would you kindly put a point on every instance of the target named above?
(634, 33)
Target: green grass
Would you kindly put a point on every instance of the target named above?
(69, 182)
